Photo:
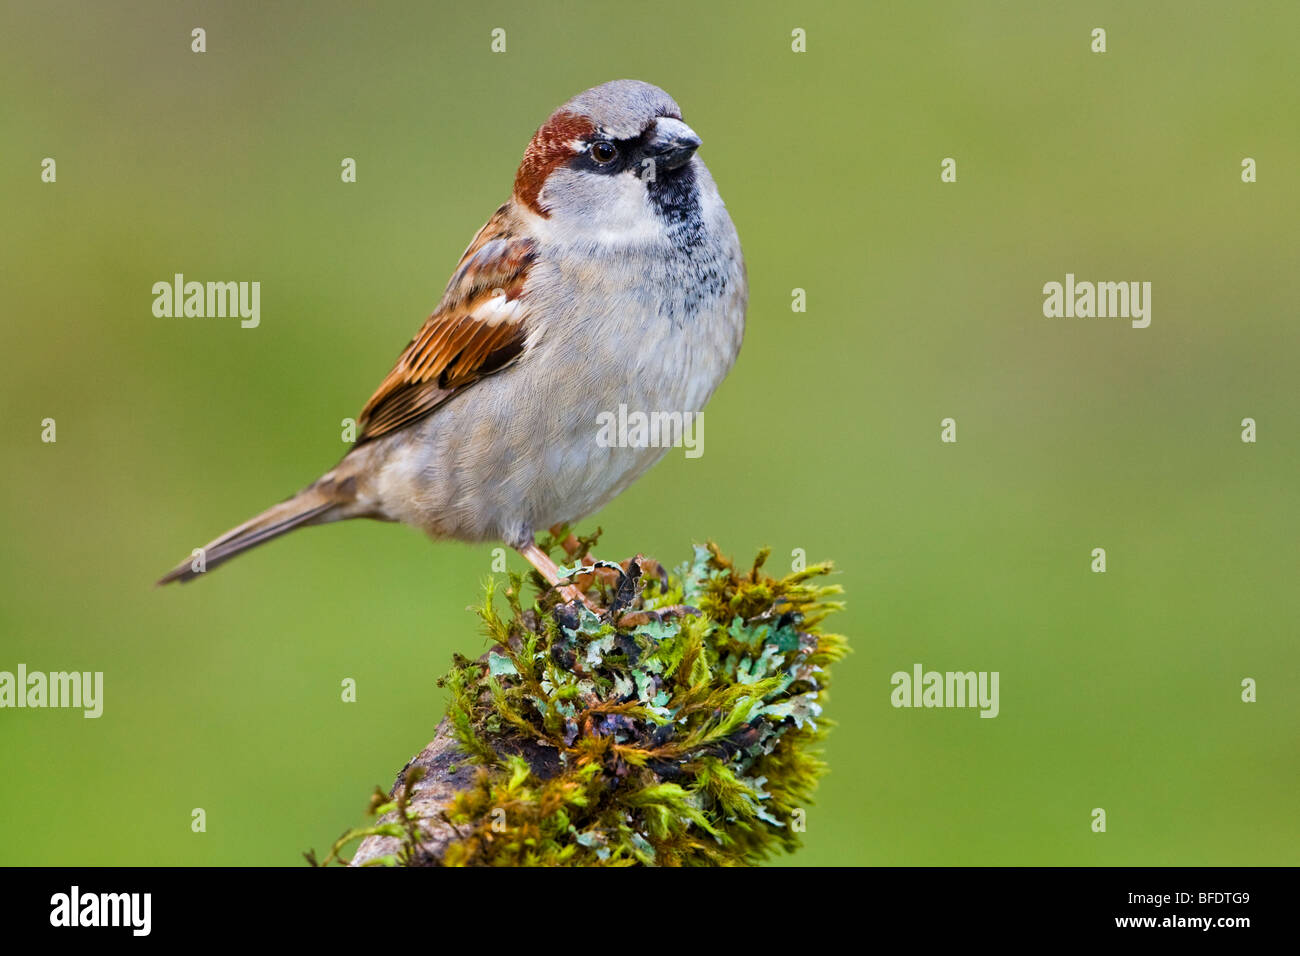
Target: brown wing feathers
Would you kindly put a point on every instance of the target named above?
(479, 328)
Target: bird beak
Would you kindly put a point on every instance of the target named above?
(673, 143)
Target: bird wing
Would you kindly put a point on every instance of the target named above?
(479, 328)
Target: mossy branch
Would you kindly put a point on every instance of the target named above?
(680, 727)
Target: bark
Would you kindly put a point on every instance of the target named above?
(439, 786)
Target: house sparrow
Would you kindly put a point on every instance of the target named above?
(613, 275)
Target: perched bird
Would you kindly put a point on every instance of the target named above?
(612, 276)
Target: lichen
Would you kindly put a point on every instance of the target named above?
(681, 726)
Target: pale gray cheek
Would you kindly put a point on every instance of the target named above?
(586, 205)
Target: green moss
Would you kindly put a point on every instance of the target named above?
(680, 728)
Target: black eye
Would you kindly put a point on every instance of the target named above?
(603, 153)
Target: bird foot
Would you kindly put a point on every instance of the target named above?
(550, 573)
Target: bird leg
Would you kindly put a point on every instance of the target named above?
(550, 573)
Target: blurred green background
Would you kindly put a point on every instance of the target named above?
(1118, 690)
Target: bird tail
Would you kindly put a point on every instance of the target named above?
(326, 500)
